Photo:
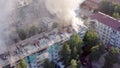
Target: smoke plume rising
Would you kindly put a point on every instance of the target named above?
(32, 12)
(17, 12)
(6, 8)
(63, 9)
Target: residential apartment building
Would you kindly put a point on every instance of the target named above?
(35, 49)
(107, 28)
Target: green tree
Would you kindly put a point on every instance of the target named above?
(55, 25)
(21, 33)
(22, 64)
(119, 8)
(79, 44)
(75, 41)
(97, 51)
(71, 42)
(72, 49)
(102, 48)
(73, 64)
(43, 27)
(116, 8)
(32, 31)
(52, 64)
(48, 64)
(111, 9)
(105, 7)
(116, 15)
(65, 54)
(78, 64)
(74, 53)
(90, 38)
(111, 58)
(114, 51)
(40, 28)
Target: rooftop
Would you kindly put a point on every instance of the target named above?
(107, 20)
(31, 45)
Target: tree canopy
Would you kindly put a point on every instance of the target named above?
(32, 31)
(73, 64)
(72, 50)
(55, 25)
(65, 54)
(110, 8)
(111, 58)
(96, 52)
(75, 43)
(21, 33)
(22, 64)
(48, 64)
(90, 38)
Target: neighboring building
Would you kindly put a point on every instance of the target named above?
(47, 22)
(95, 4)
(82, 30)
(115, 1)
(54, 52)
(36, 60)
(107, 28)
(92, 4)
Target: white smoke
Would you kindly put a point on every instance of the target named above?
(15, 12)
(63, 9)
(10, 13)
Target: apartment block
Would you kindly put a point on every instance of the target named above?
(107, 27)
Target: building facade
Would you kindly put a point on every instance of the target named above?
(107, 28)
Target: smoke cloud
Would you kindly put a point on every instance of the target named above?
(14, 13)
(63, 9)
(11, 13)
(6, 8)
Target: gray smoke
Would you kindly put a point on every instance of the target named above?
(6, 8)
(16, 13)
